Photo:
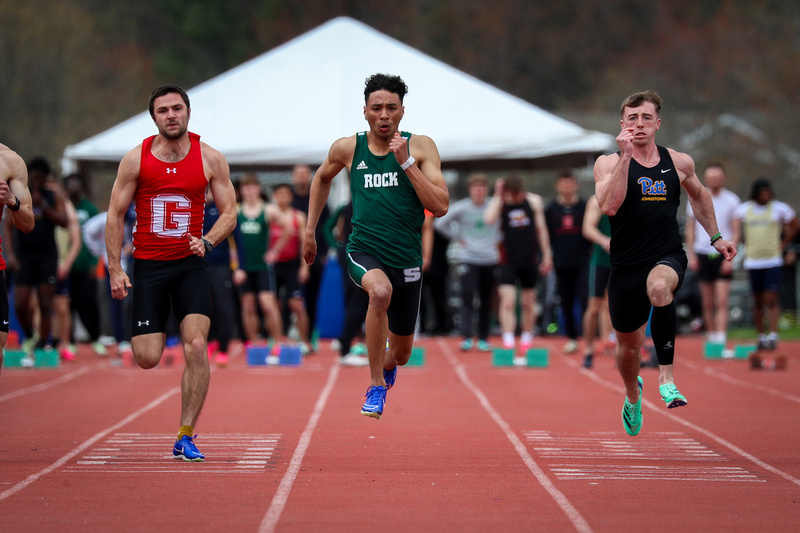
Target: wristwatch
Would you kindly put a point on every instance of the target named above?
(208, 245)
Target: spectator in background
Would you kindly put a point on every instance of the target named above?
(15, 195)
(714, 272)
(597, 229)
(564, 217)
(35, 256)
(223, 277)
(82, 275)
(766, 226)
(70, 244)
(525, 255)
(255, 218)
(478, 261)
(435, 317)
(301, 186)
(94, 237)
(291, 273)
(338, 228)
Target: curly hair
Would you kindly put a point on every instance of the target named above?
(378, 82)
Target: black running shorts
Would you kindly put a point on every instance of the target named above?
(628, 302)
(406, 289)
(181, 284)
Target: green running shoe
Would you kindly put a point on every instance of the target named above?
(632, 413)
(671, 396)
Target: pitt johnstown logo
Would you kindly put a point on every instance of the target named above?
(653, 191)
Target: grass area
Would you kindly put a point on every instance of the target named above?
(789, 330)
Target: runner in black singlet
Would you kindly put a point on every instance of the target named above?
(638, 188)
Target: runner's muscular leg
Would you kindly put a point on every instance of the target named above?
(147, 348)
(628, 357)
(661, 284)
(196, 373)
(399, 350)
(379, 289)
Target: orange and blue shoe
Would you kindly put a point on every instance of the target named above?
(185, 449)
(376, 398)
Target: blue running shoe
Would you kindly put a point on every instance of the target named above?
(389, 376)
(632, 413)
(185, 449)
(376, 397)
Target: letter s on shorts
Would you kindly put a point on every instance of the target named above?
(412, 274)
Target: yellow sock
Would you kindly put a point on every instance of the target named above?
(185, 430)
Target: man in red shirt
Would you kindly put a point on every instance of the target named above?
(166, 177)
(15, 194)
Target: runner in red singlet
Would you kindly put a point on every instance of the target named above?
(15, 194)
(166, 177)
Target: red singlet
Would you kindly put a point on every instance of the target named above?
(170, 201)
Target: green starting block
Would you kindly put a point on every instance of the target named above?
(503, 356)
(46, 358)
(743, 351)
(713, 350)
(13, 358)
(537, 357)
(417, 356)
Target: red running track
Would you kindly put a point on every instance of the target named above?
(462, 446)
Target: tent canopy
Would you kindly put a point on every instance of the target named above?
(288, 105)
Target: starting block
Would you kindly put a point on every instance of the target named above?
(417, 356)
(713, 350)
(279, 354)
(503, 357)
(257, 354)
(534, 358)
(290, 355)
(537, 357)
(46, 358)
(743, 351)
(13, 358)
(763, 362)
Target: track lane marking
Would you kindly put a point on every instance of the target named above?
(719, 440)
(739, 382)
(270, 520)
(578, 522)
(87, 444)
(50, 384)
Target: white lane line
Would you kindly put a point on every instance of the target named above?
(87, 444)
(578, 522)
(50, 384)
(741, 383)
(719, 440)
(270, 520)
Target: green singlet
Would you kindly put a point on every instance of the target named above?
(387, 213)
(255, 237)
(599, 256)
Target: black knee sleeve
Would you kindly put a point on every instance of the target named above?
(663, 324)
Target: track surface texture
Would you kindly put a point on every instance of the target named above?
(463, 445)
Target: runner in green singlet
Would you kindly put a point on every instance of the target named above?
(393, 177)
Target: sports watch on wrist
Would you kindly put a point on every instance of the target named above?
(208, 245)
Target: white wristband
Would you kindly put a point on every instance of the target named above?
(408, 163)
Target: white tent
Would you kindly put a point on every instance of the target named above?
(288, 105)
